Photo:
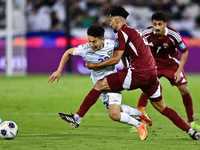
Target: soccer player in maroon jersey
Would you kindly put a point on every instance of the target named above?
(141, 74)
(164, 43)
(96, 50)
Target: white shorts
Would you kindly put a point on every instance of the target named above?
(111, 98)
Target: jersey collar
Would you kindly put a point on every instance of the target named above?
(124, 26)
(166, 31)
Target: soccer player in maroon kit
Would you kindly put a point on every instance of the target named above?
(141, 74)
(164, 43)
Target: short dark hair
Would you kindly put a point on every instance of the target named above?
(118, 11)
(95, 31)
(159, 16)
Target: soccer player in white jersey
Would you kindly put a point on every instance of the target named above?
(97, 50)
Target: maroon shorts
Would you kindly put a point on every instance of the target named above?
(168, 72)
(131, 79)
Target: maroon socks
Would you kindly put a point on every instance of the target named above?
(187, 101)
(89, 100)
(176, 119)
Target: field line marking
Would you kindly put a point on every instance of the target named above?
(90, 114)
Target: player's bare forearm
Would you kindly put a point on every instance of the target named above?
(177, 74)
(65, 58)
(183, 60)
(58, 72)
(113, 60)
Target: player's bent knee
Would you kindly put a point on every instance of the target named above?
(183, 89)
(114, 112)
(114, 117)
(184, 92)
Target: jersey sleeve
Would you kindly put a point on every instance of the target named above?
(81, 50)
(147, 32)
(143, 32)
(119, 42)
(180, 44)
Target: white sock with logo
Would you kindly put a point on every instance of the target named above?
(125, 118)
(130, 111)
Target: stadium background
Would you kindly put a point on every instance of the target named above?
(33, 103)
(47, 22)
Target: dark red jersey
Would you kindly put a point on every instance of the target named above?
(164, 49)
(135, 47)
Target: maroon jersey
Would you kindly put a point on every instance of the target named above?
(135, 47)
(164, 49)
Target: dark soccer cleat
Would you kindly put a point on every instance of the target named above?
(70, 119)
(194, 135)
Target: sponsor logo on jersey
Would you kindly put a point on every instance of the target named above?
(90, 58)
(182, 45)
(165, 45)
(116, 44)
(109, 53)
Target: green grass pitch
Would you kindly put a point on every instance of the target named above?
(33, 104)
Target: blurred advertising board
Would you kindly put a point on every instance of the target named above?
(43, 54)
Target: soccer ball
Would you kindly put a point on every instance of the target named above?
(9, 129)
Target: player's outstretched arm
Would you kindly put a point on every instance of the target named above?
(58, 72)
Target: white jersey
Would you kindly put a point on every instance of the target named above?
(92, 56)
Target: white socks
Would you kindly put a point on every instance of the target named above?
(190, 123)
(77, 118)
(125, 118)
(130, 111)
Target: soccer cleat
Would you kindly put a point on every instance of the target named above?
(133, 129)
(144, 116)
(142, 109)
(194, 135)
(195, 127)
(70, 119)
(142, 131)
